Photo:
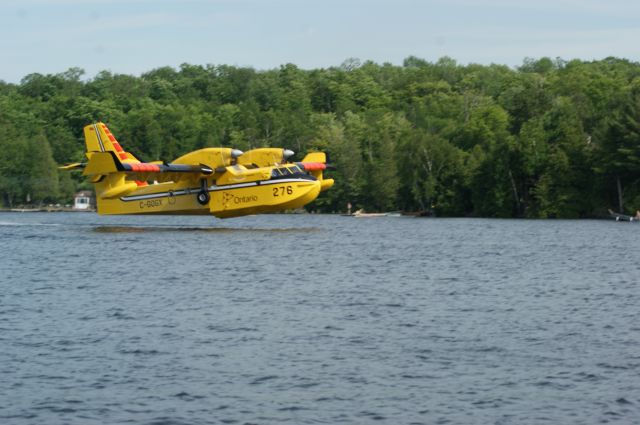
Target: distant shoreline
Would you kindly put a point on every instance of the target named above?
(44, 209)
(65, 209)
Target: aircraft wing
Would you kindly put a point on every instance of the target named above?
(103, 163)
(164, 172)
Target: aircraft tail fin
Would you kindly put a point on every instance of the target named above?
(106, 159)
(98, 138)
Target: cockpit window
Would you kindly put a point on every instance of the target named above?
(289, 171)
(275, 173)
(283, 172)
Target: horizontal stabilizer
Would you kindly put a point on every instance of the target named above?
(74, 166)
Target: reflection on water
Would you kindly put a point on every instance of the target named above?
(142, 229)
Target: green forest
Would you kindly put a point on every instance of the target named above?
(547, 139)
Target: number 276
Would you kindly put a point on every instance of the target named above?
(281, 190)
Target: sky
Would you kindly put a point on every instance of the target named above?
(136, 36)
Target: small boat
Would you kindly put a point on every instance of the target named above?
(624, 217)
(361, 213)
(23, 210)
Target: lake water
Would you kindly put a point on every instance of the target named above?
(317, 319)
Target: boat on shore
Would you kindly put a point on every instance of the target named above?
(22, 210)
(45, 209)
(624, 217)
(363, 214)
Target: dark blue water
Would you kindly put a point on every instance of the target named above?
(317, 319)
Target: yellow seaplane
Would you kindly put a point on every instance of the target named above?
(224, 182)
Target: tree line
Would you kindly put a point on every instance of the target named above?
(550, 138)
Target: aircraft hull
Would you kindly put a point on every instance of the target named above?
(226, 201)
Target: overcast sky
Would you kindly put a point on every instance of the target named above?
(135, 36)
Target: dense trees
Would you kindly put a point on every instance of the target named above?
(548, 139)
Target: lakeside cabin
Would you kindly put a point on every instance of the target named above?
(83, 200)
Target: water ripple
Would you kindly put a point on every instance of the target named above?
(317, 319)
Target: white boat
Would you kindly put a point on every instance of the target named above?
(361, 213)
